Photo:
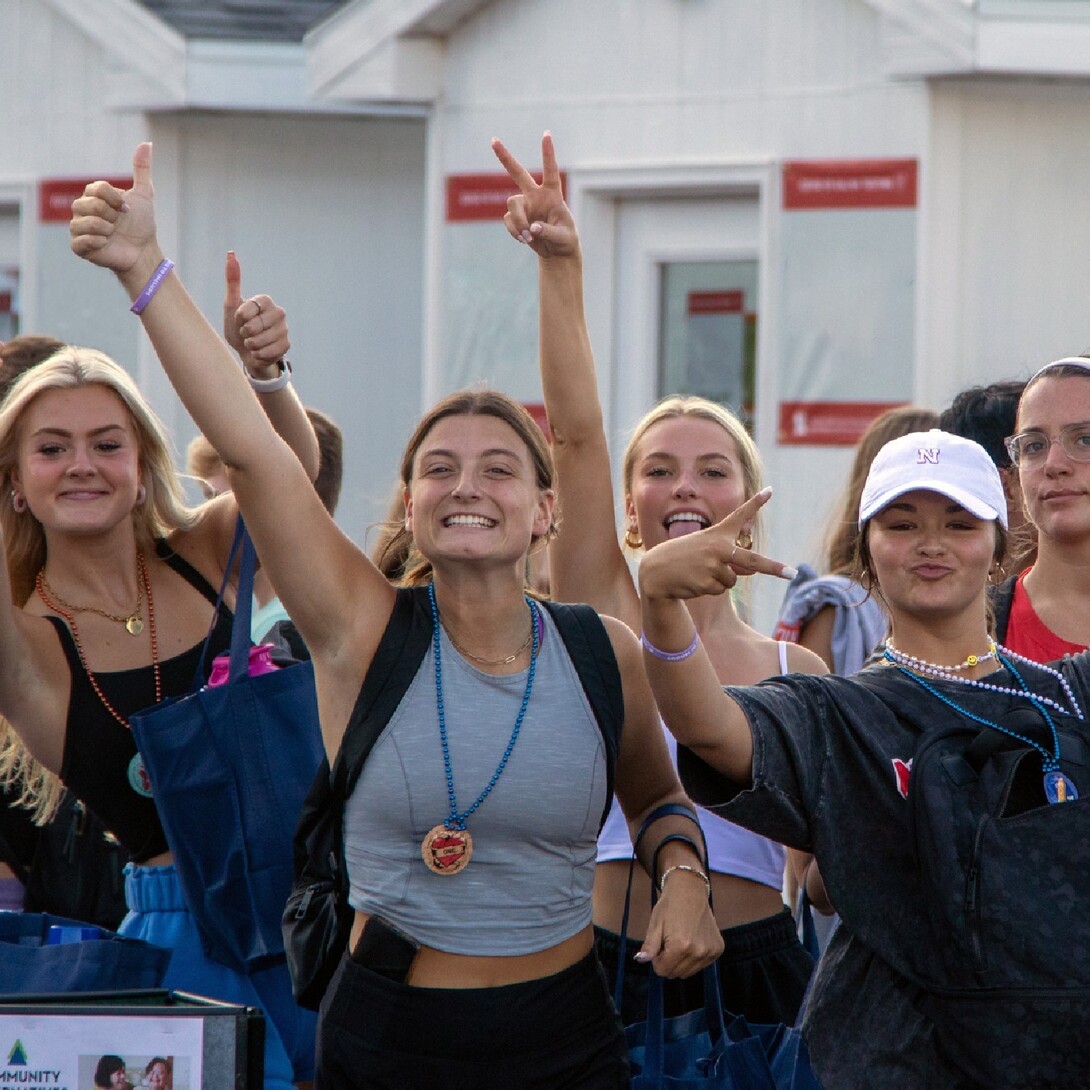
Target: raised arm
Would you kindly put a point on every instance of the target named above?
(687, 688)
(257, 329)
(333, 593)
(586, 563)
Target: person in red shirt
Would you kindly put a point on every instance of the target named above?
(1044, 612)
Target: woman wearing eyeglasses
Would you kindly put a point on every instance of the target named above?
(1046, 608)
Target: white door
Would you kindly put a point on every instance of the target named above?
(686, 309)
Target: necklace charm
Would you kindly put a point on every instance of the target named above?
(447, 848)
(1059, 788)
(446, 851)
(134, 625)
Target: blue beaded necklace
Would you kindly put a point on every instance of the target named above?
(447, 847)
(1058, 787)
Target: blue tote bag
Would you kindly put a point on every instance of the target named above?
(229, 768)
(29, 964)
(708, 1049)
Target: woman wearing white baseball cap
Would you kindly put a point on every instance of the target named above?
(938, 791)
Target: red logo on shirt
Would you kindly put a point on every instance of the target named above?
(902, 770)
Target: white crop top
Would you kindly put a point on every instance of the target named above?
(731, 849)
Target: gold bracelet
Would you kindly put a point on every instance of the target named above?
(692, 870)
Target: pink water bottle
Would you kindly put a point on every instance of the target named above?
(260, 663)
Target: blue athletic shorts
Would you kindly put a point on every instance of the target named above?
(157, 914)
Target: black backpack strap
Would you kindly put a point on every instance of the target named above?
(398, 656)
(401, 650)
(591, 652)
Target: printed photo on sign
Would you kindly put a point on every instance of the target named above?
(113, 1071)
(40, 1051)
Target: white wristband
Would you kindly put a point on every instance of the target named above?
(269, 385)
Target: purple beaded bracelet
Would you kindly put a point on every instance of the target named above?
(671, 656)
(152, 286)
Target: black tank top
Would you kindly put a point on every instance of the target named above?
(101, 764)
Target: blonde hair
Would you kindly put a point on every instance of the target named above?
(162, 511)
(201, 459)
(680, 406)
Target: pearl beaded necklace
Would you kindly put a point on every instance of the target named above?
(947, 673)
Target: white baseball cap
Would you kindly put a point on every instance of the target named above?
(937, 462)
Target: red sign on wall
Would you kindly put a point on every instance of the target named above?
(828, 423)
(717, 302)
(850, 183)
(55, 196)
(537, 411)
(482, 196)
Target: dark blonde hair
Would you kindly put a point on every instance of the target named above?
(398, 552)
(842, 543)
(163, 509)
(679, 406)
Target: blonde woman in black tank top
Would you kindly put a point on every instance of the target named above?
(109, 577)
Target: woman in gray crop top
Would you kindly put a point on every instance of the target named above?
(436, 1009)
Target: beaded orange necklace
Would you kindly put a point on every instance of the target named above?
(145, 583)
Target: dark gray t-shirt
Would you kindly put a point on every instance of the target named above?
(831, 766)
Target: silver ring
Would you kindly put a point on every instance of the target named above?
(730, 559)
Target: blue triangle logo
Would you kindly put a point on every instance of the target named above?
(17, 1055)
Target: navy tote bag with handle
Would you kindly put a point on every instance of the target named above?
(229, 767)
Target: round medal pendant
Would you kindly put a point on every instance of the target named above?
(134, 625)
(446, 851)
(139, 780)
(1059, 788)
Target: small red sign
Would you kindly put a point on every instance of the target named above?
(828, 423)
(482, 196)
(55, 196)
(850, 183)
(537, 411)
(717, 302)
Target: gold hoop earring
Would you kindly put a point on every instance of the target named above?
(633, 539)
(744, 540)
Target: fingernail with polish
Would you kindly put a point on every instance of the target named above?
(642, 956)
(788, 572)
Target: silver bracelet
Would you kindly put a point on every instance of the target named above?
(692, 870)
(269, 385)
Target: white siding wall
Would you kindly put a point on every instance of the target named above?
(678, 88)
(1006, 275)
(326, 214)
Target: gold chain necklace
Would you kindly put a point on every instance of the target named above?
(493, 662)
(145, 582)
(132, 622)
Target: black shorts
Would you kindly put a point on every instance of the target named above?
(763, 973)
(559, 1031)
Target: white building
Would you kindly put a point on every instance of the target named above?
(816, 206)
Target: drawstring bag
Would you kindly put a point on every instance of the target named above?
(31, 964)
(706, 1049)
(229, 767)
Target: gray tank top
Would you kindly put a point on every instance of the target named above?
(528, 885)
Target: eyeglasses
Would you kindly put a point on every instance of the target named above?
(1031, 448)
